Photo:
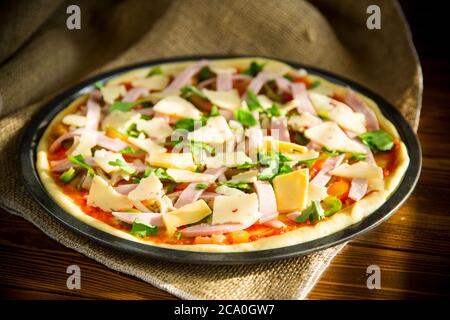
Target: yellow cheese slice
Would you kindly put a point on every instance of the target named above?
(149, 188)
(228, 191)
(178, 107)
(248, 177)
(344, 116)
(120, 121)
(110, 94)
(229, 100)
(147, 145)
(75, 120)
(236, 209)
(190, 213)
(358, 170)
(84, 144)
(129, 76)
(155, 128)
(271, 145)
(303, 121)
(103, 157)
(156, 82)
(172, 160)
(216, 130)
(103, 196)
(291, 190)
(230, 159)
(188, 176)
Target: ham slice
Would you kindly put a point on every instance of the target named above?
(358, 105)
(126, 188)
(322, 177)
(134, 94)
(114, 145)
(154, 219)
(301, 98)
(185, 77)
(224, 82)
(236, 76)
(57, 143)
(267, 201)
(358, 188)
(277, 224)
(191, 193)
(293, 215)
(205, 229)
(279, 129)
(93, 111)
(65, 164)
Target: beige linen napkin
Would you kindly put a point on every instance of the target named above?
(40, 56)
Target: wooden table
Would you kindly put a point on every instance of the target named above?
(412, 248)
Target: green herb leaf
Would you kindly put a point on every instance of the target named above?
(129, 150)
(357, 156)
(288, 77)
(314, 213)
(323, 115)
(247, 165)
(154, 71)
(99, 84)
(132, 131)
(68, 175)
(308, 162)
(378, 140)
(301, 139)
(331, 205)
(214, 111)
(245, 117)
(205, 73)
(170, 187)
(143, 230)
(252, 102)
(79, 160)
(201, 186)
(121, 106)
(178, 236)
(160, 173)
(274, 111)
(190, 89)
(239, 185)
(123, 166)
(315, 84)
(253, 69)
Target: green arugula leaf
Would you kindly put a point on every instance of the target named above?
(314, 84)
(160, 173)
(143, 230)
(214, 111)
(245, 117)
(178, 236)
(273, 111)
(190, 89)
(121, 106)
(252, 102)
(314, 213)
(201, 186)
(155, 71)
(331, 205)
(132, 131)
(68, 175)
(244, 186)
(129, 150)
(253, 69)
(204, 74)
(378, 140)
(99, 84)
(123, 166)
(288, 77)
(79, 160)
(308, 162)
(247, 165)
(357, 156)
(170, 187)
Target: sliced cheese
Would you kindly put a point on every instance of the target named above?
(247, 177)
(361, 170)
(236, 209)
(329, 135)
(188, 176)
(320, 102)
(178, 107)
(103, 157)
(283, 146)
(291, 190)
(215, 131)
(110, 94)
(120, 121)
(303, 121)
(172, 160)
(316, 192)
(103, 196)
(190, 213)
(222, 69)
(155, 128)
(308, 155)
(129, 76)
(264, 101)
(148, 145)
(229, 100)
(157, 82)
(149, 188)
(228, 191)
(85, 143)
(344, 116)
(75, 120)
(230, 159)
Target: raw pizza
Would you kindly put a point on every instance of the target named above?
(221, 156)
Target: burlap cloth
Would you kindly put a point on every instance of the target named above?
(39, 57)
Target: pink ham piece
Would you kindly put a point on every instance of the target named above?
(185, 77)
(300, 95)
(150, 218)
(191, 193)
(277, 224)
(145, 111)
(65, 164)
(208, 82)
(227, 114)
(57, 143)
(358, 189)
(258, 82)
(224, 82)
(93, 112)
(282, 83)
(293, 215)
(134, 94)
(126, 188)
(322, 177)
(358, 105)
(205, 229)
(279, 129)
(267, 201)
(114, 145)
(314, 146)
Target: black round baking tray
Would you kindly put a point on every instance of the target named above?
(43, 117)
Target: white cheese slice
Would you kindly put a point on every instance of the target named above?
(172, 160)
(120, 121)
(149, 188)
(360, 170)
(320, 102)
(248, 177)
(157, 82)
(155, 128)
(310, 154)
(236, 209)
(85, 143)
(110, 94)
(229, 100)
(265, 102)
(188, 176)
(103, 196)
(188, 214)
(129, 76)
(329, 135)
(303, 121)
(178, 107)
(228, 191)
(221, 69)
(230, 159)
(344, 116)
(75, 120)
(215, 131)
(147, 145)
(103, 157)
(316, 192)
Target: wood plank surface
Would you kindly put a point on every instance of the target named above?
(412, 248)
